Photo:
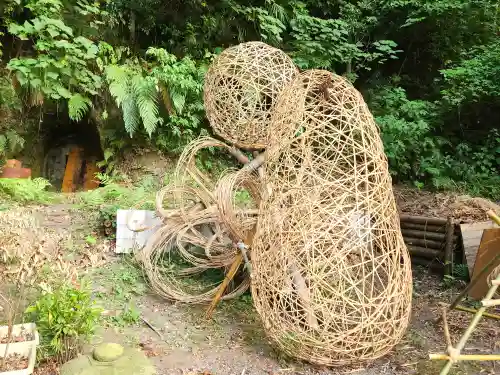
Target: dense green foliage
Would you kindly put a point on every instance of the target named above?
(428, 70)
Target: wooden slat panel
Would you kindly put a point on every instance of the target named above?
(488, 249)
(471, 236)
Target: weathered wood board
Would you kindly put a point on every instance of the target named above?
(471, 236)
(488, 250)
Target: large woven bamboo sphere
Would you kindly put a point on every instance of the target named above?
(331, 273)
(241, 89)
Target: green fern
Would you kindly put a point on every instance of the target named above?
(3, 144)
(119, 83)
(14, 140)
(78, 105)
(179, 99)
(10, 142)
(137, 96)
(146, 93)
(131, 116)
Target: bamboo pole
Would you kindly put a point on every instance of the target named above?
(222, 288)
(466, 357)
(486, 269)
(493, 216)
(491, 302)
(448, 248)
(473, 311)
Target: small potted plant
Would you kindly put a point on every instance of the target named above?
(18, 343)
(66, 316)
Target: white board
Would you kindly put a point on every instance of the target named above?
(134, 228)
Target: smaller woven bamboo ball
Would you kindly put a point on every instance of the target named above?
(241, 88)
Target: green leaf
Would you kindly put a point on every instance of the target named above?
(78, 105)
(108, 153)
(53, 75)
(65, 93)
(178, 99)
(36, 82)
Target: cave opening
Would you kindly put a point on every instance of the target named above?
(71, 153)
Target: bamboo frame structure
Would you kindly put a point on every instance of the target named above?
(454, 353)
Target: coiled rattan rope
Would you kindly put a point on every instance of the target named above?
(201, 225)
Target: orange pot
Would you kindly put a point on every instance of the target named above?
(13, 163)
(16, 173)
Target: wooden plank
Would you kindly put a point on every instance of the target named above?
(90, 181)
(448, 249)
(424, 252)
(488, 250)
(423, 220)
(72, 171)
(424, 227)
(422, 234)
(471, 237)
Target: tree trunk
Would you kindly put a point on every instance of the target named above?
(132, 30)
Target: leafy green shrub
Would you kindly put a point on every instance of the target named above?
(25, 190)
(475, 169)
(475, 78)
(413, 150)
(11, 140)
(417, 154)
(66, 317)
(119, 195)
(62, 66)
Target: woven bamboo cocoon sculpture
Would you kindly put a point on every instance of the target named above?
(241, 89)
(331, 274)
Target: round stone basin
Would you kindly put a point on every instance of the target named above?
(110, 359)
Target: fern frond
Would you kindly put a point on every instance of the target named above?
(15, 141)
(3, 144)
(146, 94)
(78, 105)
(131, 117)
(119, 83)
(179, 99)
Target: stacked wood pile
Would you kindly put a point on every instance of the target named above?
(432, 242)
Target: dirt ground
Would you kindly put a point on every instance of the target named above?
(184, 342)
(234, 341)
